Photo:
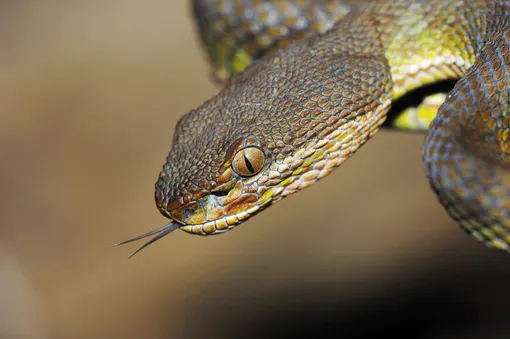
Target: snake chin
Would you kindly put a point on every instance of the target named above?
(223, 213)
(222, 224)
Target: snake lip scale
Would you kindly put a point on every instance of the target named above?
(309, 82)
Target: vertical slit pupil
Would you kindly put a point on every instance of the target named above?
(248, 164)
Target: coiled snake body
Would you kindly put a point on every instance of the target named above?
(309, 82)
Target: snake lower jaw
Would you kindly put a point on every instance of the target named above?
(225, 223)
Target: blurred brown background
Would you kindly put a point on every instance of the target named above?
(89, 95)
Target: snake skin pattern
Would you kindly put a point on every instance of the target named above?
(309, 82)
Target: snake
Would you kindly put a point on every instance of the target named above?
(304, 84)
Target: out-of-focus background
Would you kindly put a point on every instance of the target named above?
(90, 92)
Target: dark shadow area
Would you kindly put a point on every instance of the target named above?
(458, 298)
(414, 98)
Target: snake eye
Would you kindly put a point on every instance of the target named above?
(248, 161)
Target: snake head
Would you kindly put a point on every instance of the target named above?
(217, 173)
(211, 180)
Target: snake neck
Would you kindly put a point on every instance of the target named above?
(428, 42)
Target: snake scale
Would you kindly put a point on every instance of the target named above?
(307, 83)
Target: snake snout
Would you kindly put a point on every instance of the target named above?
(205, 207)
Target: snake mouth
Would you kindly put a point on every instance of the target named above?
(219, 211)
(223, 223)
(241, 209)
